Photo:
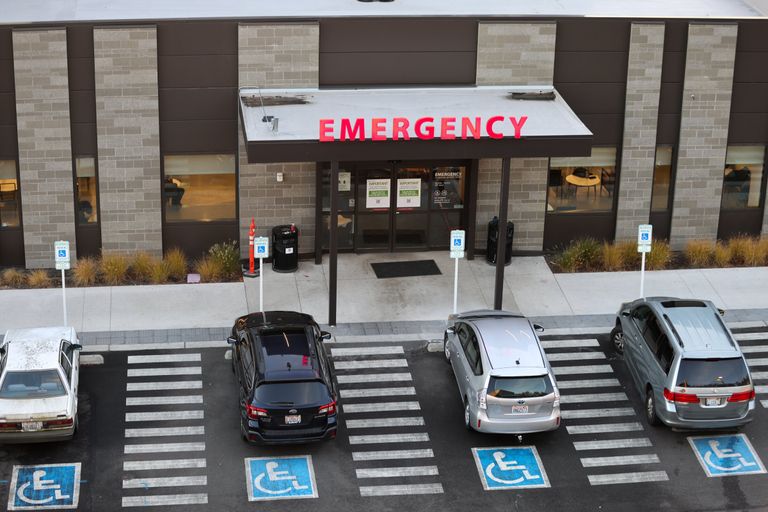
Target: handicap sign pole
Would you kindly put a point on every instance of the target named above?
(457, 252)
(61, 258)
(644, 240)
(261, 245)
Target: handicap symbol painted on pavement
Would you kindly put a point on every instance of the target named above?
(275, 478)
(726, 455)
(510, 468)
(45, 487)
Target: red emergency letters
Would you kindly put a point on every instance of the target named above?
(424, 128)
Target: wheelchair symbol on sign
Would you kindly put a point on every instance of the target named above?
(275, 476)
(38, 484)
(506, 466)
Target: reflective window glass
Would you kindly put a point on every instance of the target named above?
(9, 194)
(199, 188)
(582, 184)
(87, 193)
(743, 177)
(662, 179)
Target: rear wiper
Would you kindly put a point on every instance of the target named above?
(281, 403)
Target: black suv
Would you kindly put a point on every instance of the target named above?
(287, 392)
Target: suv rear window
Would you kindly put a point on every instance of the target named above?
(297, 393)
(520, 387)
(32, 384)
(698, 373)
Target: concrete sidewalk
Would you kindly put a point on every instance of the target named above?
(530, 288)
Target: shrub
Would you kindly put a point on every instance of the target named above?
(629, 254)
(39, 279)
(613, 258)
(761, 251)
(13, 277)
(699, 253)
(159, 272)
(227, 255)
(141, 266)
(114, 268)
(210, 269)
(567, 260)
(589, 253)
(740, 250)
(177, 264)
(721, 255)
(659, 257)
(86, 272)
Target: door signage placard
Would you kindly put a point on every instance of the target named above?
(408, 192)
(377, 193)
(261, 247)
(345, 181)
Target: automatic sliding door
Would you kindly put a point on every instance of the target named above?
(374, 202)
(411, 208)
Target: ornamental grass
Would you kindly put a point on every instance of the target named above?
(613, 257)
(114, 268)
(210, 269)
(141, 266)
(85, 272)
(659, 257)
(699, 253)
(721, 256)
(13, 278)
(160, 272)
(39, 278)
(741, 250)
(177, 264)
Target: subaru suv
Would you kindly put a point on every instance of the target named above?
(286, 385)
(505, 381)
(685, 363)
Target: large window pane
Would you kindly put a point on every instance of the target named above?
(87, 195)
(662, 179)
(199, 188)
(582, 184)
(448, 188)
(346, 191)
(743, 177)
(9, 194)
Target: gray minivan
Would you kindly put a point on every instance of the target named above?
(685, 363)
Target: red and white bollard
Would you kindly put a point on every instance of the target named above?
(251, 256)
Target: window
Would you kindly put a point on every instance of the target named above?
(86, 190)
(662, 179)
(9, 194)
(32, 384)
(65, 364)
(640, 316)
(582, 184)
(246, 358)
(472, 350)
(699, 373)
(743, 177)
(199, 188)
(520, 387)
(652, 335)
(463, 334)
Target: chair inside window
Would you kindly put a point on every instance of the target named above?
(607, 181)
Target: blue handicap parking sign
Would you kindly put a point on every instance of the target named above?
(510, 468)
(62, 253)
(726, 455)
(45, 487)
(261, 249)
(275, 478)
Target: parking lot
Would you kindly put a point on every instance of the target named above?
(160, 427)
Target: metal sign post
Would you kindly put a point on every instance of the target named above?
(261, 249)
(61, 257)
(457, 252)
(644, 240)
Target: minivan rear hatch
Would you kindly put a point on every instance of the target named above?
(528, 396)
(713, 389)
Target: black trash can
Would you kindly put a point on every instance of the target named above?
(285, 248)
(493, 240)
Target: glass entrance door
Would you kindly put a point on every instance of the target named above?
(411, 207)
(373, 207)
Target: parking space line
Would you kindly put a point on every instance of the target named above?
(164, 386)
(366, 351)
(751, 349)
(163, 500)
(397, 490)
(604, 427)
(750, 336)
(570, 343)
(609, 444)
(421, 437)
(593, 397)
(164, 431)
(764, 403)
(586, 369)
(757, 361)
(416, 421)
(597, 413)
(621, 460)
(165, 358)
(393, 454)
(143, 465)
(163, 448)
(587, 383)
(170, 481)
(629, 478)
(380, 406)
(162, 372)
(373, 363)
(759, 375)
(397, 472)
(373, 377)
(761, 389)
(163, 400)
(575, 356)
(371, 392)
(164, 416)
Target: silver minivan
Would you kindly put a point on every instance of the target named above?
(685, 363)
(505, 381)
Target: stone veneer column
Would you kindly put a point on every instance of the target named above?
(515, 54)
(128, 134)
(646, 53)
(703, 132)
(283, 55)
(45, 146)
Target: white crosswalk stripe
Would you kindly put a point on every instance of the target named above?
(144, 465)
(165, 500)
(604, 428)
(750, 336)
(164, 386)
(372, 392)
(164, 358)
(390, 438)
(415, 421)
(133, 401)
(164, 416)
(591, 343)
(393, 454)
(587, 383)
(373, 377)
(163, 372)
(612, 444)
(621, 460)
(753, 349)
(629, 478)
(370, 363)
(164, 448)
(399, 490)
(380, 407)
(597, 413)
(170, 481)
(366, 351)
(594, 397)
(575, 356)
(396, 472)
(582, 369)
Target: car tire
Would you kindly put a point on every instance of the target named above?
(446, 352)
(617, 339)
(650, 409)
(467, 415)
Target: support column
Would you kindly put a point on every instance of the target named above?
(332, 245)
(319, 214)
(502, 238)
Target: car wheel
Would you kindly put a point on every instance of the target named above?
(650, 408)
(467, 418)
(446, 351)
(617, 338)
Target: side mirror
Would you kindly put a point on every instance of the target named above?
(625, 313)
(538, 328)
(75, 346)
(450, 330)
(721, 311)
(325, 336)
(232, 340)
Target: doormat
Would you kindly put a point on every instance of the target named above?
(406, 269)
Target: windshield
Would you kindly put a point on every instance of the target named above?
(294, 393)
(32, 384)
(519, 387)
(700, 373)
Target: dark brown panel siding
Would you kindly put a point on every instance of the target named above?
(82, 90)
(8, 141)
(208, 136)
(594, 98)
(84, 139)
(197, 38)
(337, 69)
(592, 35)
(672, 79)
(197, 71)
(749, 102)
(198, 104)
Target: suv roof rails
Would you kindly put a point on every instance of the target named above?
(489, 313)
(683, 304)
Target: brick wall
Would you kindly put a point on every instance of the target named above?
(646, 51)
(128, 133)
(515, 53)
(45, 147)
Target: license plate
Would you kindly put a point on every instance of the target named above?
(520, 409)
(289, 250)
(711, 401)
(293, 419)
(31, 426)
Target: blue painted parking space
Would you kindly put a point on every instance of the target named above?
(45, 487)
(726, 455)
(510, 468)
(275, 478)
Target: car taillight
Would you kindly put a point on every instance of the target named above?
(9, 426)
(742, 396)
(65, 422)
(328, 408)
(685, 398)
(255, 413)
(481, 403)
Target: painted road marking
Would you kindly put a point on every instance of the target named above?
(373, 377)
(588, 383)
(726, 455)
(170, 481)
(397, 472)
(164, 358)
(761, 389)
(577, 370)
(569, 343)
(163, 500)
(373, 363)
(623, 460)
(750, 336)
(416, 421)
(400, 490)
(603, 428)
(593, 397)
(164, 386)
(759, 375)
(629, 478)
(366, 351)
(45, 487)
(393, 454)
(145, 465)
(640, 442)
(575, 356)
(163, 400)
(758, 361)
(371, 392)
(164, 431)
(754, 348)
(390, 438)
(276, 478)
(381, 406)
(597, 413)
(164, 416)
(508, 468)
(164, 448)
(162, 372)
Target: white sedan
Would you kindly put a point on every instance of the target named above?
(39, 370)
